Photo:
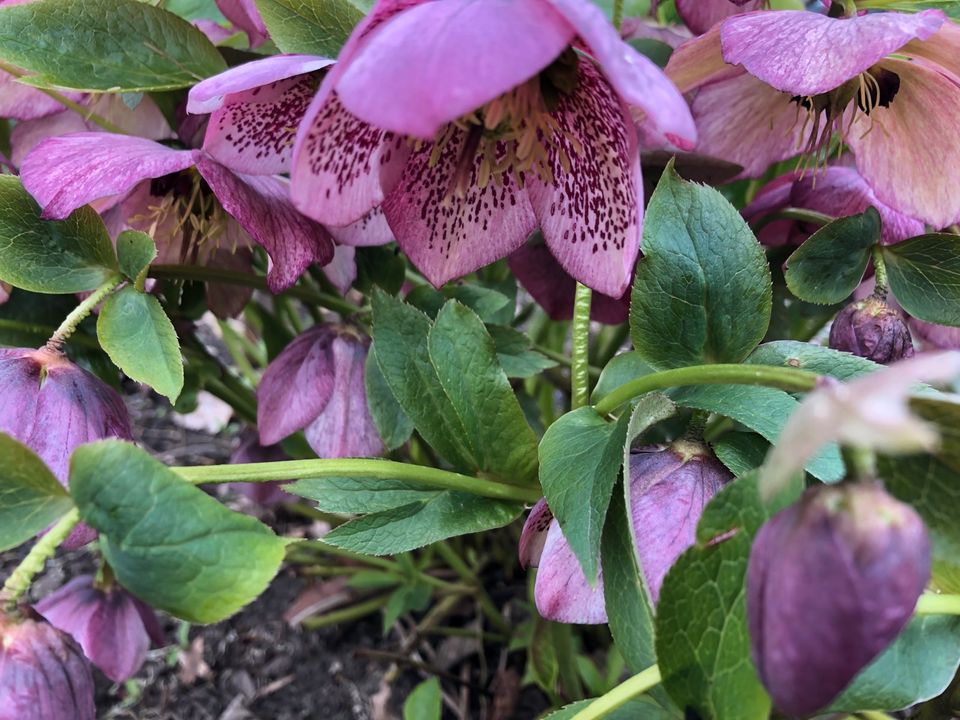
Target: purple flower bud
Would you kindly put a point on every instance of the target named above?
(112, 626)
(53, 406)
(669, 487)
(872, 329)
(43, 674)
(317, 384)
(832, 581)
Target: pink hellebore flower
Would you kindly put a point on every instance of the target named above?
(474, 122)
(767, 85)
(701, 15)
(113, 627)
(245, 16)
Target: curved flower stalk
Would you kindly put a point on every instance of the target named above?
(761, 91)
(513, 117)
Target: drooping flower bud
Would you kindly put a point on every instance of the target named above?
(832, 580)
(43, 674)
(872, 329)
(112, 626)
(53, 406)
(317, 384)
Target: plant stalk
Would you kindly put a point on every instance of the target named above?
(80, 312)
(579, 355)
(621, 695)
(19, 581)
(937, 604)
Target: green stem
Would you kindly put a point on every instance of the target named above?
(21, 577)
(936, 604)
(874, 715)
(579, 355)
(487, 605)
(621, 695)
(563, 359)
(80, 312)
(617, 13)
(359, 468)
(881, 285)
(784, 378)
(354, 612)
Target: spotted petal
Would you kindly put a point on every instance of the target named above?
(562, 592)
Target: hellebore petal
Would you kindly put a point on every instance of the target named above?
(244, 14)
(477, 52)
(265, 494)
(22, 102)
(786, 49)
(669, 488)
(261, 204)
(43, 674)
(698, 62)
(64, 173)
(371, 229)
(296, 386)
(701, 15)
(871, 412)
(942, 337)
(872, 329)
(344, 428)
(534, 534)
(342, 270)
(831, 582)
(561, 591)
(109, 626)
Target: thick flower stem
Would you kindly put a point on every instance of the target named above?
(784, 378)
(621, 695)
(21, 577)
(579, 356)
(80, 312)
(617, 13)
(936, 604)
(359, 468)
(881, 285)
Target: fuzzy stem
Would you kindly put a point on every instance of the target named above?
(784, 378)
(617, 14)
(937, 604)
(80, 312)
(21, 577)
(579, 356)
(621, 695)
(358, 468)
(881, 285)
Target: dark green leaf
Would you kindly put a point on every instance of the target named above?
(411, 597)
(741, 452)
(815, 358)
(167, 541)
(702, 291)
(621, 369)
(29, 319)
(491, 304)
(194, 9)
(379, 266)
(580, 459)
(361, 495)
(135, 251)
(139, 337)
(311, 27)
(827, 268)
(31, 498)
(465, 360)
(392, 423)
(106, 45)
(917, 667)
(50, 256)
(543, 655)
(424, 702)
(924, 274)
(639, 709)
(514, 352)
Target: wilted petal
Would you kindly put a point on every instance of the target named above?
(534, 534)
(787, 49)
(909, 152)
(342, 270)
(244, 14)
(701, 15)
(590, 210)
(448, 230)
(344, 428)
(477, 52)
(561, 591)
(261, 204)
(296, 386)
(64, 173)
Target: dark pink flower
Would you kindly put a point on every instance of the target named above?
(113, 627)
(514, 116)
(317, 385)
(701, 15)
(761, 91)
(43, 674)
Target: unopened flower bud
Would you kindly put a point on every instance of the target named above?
(832, 580)
(113, 627)
(43, 674)
(872, 329)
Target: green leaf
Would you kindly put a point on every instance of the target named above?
(424, 702)
(106, 46)
(703, 648)
(361, 495)
(815, 358)
(702, 291)
(828, 267)
(411, 597)
(167, 541)
(918, 666)
(392, 423)
(741, 452)
(515, 353)
(31, 498)
(50, 256)
(135, 251)
(933, 489)
(311, 27)
(465, 360)
(379, 266)
(542, 654)
(194, 9)
(580, 459)
(621, 369)
(638, 709)
(762, 409)
(411, 526)
(945, 415)
(924, 274)
(400, 335)
(139, 337)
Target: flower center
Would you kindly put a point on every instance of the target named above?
(181, 204)
(514, 133)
